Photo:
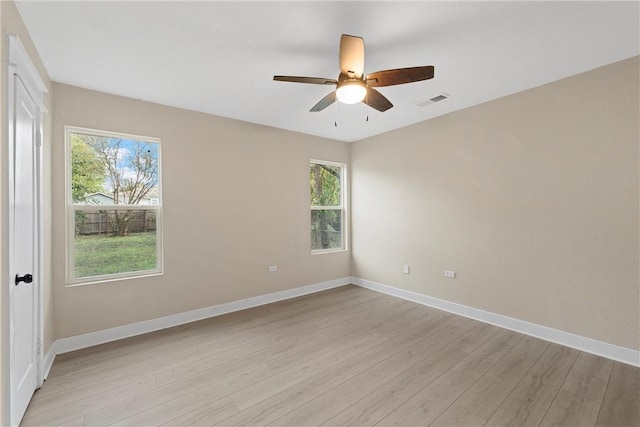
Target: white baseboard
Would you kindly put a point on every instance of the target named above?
(78, 342)
(47, 362)
(588, 345)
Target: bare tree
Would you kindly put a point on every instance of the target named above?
(131, 172)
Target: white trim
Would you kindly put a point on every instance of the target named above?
(327, 251)
(39, 153)
(114, 278)
(326, 162)
(343, 207)
(23, 66)
(111, 134)
(19, 66)
(47, 362)
(71, 208)
(588, 345)
(78, 342)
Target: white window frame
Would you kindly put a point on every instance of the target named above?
(342, 207)
(71, 209)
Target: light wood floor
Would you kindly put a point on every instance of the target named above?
(347, 356)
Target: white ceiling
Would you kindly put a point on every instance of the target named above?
(220, 57)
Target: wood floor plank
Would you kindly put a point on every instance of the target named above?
(210, 387)
(206, 415)
(163, 362)
(284, 402)
(421, 401)
(221, 334)
(477, 404)
(285, 378)
(589, 377)
(256, 315)
(346, 356)
(621, 403)
(93, 384)
(167, 411)
(82, 406)
(569, 409)
(429, 363)
(275, 353)
(123, 409)
(226, 375)
(59, 370)
(254, 320)
(76, 422)
(211, 394)
(579, 399)
(529, 401)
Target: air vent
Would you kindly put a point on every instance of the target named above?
(438, 98)
(433, 100)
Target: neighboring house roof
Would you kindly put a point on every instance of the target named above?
(99, 198)
(100, 194)
(104, 198)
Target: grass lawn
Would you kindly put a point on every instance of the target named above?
(99, 255)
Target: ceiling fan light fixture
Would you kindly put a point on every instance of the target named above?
(353, 86)
(351, 92)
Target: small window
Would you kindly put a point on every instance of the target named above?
(327, 184)
(115, 206)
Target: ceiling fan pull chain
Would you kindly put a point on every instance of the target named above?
(335, 123)
(366, 109)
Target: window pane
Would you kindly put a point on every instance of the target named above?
(325, 185)
(326, 229)
(113, 242)
(112, 171)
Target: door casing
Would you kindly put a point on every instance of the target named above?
(20, 64)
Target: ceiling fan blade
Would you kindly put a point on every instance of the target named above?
(312, 80)
(399, 76)
(324, 102)
(375, 99)
(351, 55)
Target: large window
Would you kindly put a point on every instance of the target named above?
(327, 183)
(114, 206)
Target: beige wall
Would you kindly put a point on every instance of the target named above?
(531, 199)
(236, 200)
(11, 23)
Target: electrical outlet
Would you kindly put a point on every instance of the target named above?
(450, 274)
(405, 269)
(273, 268)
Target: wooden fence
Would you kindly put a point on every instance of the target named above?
(104, 222)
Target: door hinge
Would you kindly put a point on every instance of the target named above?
(39, 346)
(38, 139)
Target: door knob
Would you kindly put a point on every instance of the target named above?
(27, 278)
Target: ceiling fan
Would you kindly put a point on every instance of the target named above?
(353, 86)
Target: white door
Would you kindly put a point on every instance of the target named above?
(22, 245)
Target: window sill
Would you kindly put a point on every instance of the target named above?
(328, 251)
(108, 279)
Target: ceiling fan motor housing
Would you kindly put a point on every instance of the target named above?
(351, 90)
